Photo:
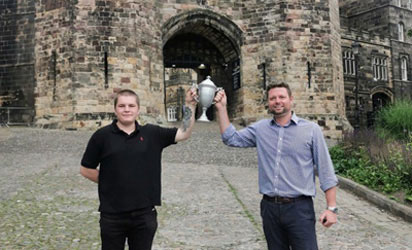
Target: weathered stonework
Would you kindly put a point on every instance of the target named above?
(86, 50)
(375, 25)
(372, 46)
(16, 60)
(293, 35)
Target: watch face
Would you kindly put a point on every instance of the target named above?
(334, 210)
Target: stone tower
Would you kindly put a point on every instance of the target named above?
(84, 51)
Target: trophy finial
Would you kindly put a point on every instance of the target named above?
(208, 77)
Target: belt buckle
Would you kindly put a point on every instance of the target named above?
(284, 200)
(280, 200)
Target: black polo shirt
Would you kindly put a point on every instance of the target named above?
(130, 165)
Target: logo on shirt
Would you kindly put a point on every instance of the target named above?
(141, 138)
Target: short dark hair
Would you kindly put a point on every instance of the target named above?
(126, 92)
(278, 85)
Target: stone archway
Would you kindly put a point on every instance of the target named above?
(381, 97)
(380, 100)
(196, 44)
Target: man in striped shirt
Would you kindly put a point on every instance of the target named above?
(290, 150)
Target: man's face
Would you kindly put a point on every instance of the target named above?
(279, 101)
(126, 109)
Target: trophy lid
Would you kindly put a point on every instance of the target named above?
(207, 82)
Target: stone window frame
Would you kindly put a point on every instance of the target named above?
(171, 113)
(380, 67)
(401, 32)
(399, 3)
(349, 64)
(409, 5)
(404, 67)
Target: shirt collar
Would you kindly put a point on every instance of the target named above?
(116, 129)
(293, 119)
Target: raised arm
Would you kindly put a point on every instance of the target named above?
(221, 103)
(185, 130)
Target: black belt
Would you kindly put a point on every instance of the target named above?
(283, 200)
(134, 213)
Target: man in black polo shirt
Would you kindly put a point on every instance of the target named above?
(129, 160)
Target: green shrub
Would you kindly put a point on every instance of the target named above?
(377, 177)
(396, 120)
(382, 163)
(354, 162)
(345, 159)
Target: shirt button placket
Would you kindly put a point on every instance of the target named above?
(277, 166)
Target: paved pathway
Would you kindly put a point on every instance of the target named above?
(210, 198)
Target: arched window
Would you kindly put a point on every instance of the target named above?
(401, 28)
(404, 69)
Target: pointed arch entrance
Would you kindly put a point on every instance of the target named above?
(196, 44)
(381, 97)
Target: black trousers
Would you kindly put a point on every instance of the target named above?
(289, 226)
(138, 227)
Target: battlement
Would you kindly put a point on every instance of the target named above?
(365, 36)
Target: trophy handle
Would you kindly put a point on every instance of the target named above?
(195, 86)
(217, 90)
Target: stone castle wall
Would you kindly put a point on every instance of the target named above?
(125, 37)
(401, 49)
(86, 50)
(17, 60)
(286, 38)
(54, 66)
(372, 46)
(381, 18)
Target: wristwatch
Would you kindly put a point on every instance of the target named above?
(333, 209)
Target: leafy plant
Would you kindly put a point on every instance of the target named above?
(388, 172)
(408, 198)
(395, 121)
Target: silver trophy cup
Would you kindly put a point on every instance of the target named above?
(207, 90)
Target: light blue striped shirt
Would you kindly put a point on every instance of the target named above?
(287, 156)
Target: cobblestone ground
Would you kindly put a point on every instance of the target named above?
(210, 198)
